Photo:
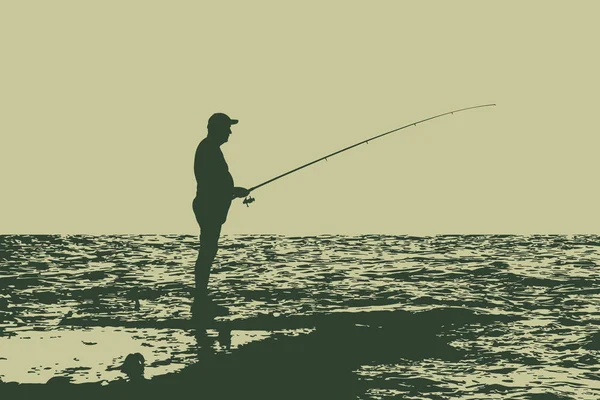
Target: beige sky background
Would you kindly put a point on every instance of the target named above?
(103, 104)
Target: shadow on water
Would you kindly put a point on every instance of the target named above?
(320, 364)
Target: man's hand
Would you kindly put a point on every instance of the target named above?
(239, 192)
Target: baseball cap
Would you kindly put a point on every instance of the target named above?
(220, 119)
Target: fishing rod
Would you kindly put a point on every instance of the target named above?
(248, 200)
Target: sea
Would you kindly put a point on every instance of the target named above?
(495, 316)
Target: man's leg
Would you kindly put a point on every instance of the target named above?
(209, 238)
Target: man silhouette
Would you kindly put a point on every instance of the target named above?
(214, 193)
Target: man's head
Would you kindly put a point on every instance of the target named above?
(219, 127)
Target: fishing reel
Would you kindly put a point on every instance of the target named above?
(249, 200)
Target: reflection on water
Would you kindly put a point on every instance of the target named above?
(520, 312)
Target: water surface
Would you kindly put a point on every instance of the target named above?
(520, 313)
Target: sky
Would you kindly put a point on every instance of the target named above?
(104, 103)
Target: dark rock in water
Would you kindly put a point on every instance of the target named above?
(133, 366)
(59, 380)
